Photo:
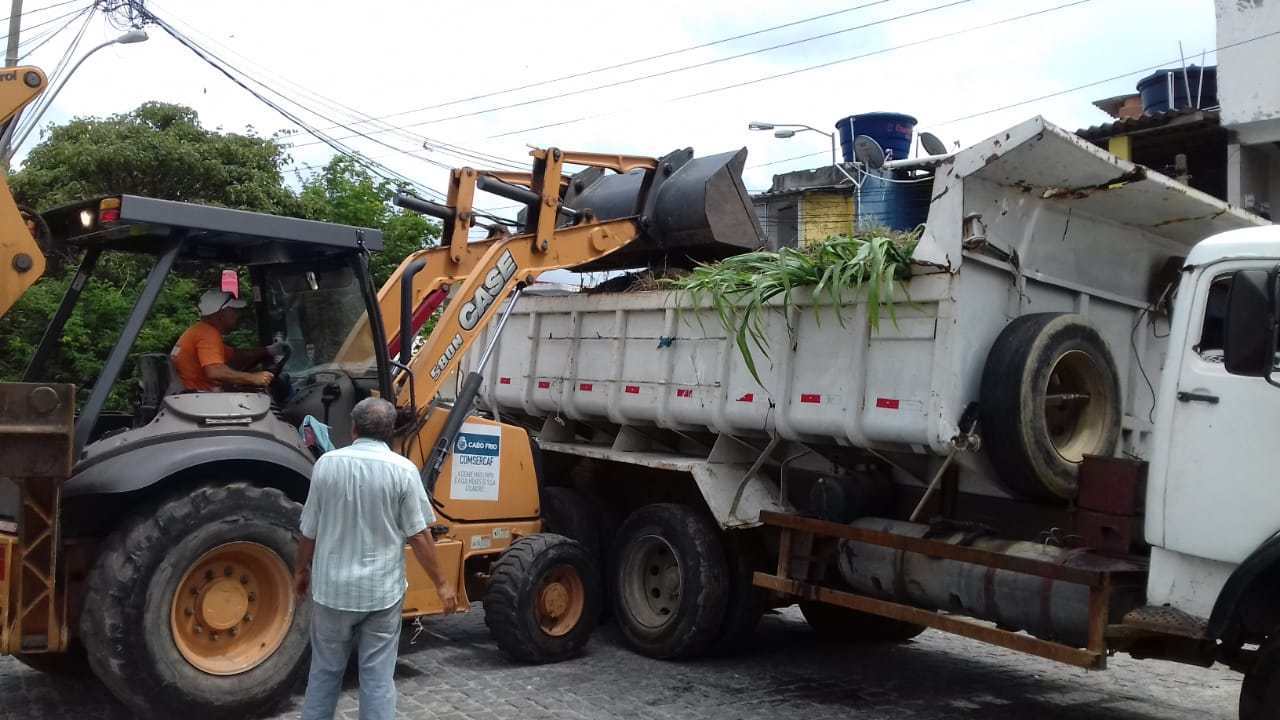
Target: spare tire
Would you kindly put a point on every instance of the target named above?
(1050, 395)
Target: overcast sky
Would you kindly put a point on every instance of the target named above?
(380, 57)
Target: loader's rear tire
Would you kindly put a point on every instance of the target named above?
(1260, 692)
(670, 581)
(1050, 395)
(543, 598)
(832, 622)
(71, 663)
(190, 611)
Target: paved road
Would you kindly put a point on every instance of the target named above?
(455, 672)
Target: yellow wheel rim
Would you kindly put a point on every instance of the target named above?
(559, 599)
(233, 608)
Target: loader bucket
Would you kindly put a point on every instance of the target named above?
(697, 210)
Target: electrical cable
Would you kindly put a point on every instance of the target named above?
(48, 35)
(637, 61)
(227, 69)
(468, 154)
(695, 66)
(54, 20)
(797, 71)
(56, 78)
(1149, 68)
(33, 11)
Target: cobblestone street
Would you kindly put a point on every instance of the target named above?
(454, 671)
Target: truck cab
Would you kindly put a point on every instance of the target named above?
(1212, 511)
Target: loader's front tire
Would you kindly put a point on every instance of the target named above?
(543, 598)
(190, 611)
(671, 582)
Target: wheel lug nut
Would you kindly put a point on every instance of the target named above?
(197, 630)
(248, 618)
(244, 579)
(233, 632)
(189, 612)
(252, 597)
(195, 591)
(226, 572)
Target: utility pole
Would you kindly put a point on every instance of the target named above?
(15, 26)
(10, 60)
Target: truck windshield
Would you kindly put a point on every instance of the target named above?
(320, 312)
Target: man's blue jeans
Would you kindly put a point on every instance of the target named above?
(334, 633)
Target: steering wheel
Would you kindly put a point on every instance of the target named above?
(281, 386)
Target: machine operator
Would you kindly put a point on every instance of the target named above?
(204, 362)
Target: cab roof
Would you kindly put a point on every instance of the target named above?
(150, 226)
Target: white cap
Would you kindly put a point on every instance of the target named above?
(214, 300)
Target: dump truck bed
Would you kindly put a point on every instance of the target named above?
(1031, 220)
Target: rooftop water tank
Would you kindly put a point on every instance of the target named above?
(892, 130)
(1154, 89)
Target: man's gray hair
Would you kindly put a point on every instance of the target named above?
(374, 418)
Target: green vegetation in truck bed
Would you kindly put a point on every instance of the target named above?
(739, 286)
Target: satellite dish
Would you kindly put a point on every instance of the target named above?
(868, 152)
(932, 145)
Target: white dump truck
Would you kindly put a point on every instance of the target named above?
(1060, 441)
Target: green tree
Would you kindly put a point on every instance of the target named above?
(346, 193)
(158, 150)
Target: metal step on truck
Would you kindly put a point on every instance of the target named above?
(1060, 441)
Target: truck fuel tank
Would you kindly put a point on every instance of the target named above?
(697, 210)
(1049, 609)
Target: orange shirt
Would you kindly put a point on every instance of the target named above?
(199, 347)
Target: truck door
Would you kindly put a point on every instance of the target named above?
(1222, 477)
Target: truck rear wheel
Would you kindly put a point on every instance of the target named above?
(1050, 395)
(670, 581)
(845, 625)
(190, 610)
(543, 598)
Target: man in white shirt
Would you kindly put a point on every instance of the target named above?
(364, 503)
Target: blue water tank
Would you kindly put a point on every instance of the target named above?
(892, 130)
(1154, 89)
(896, 203)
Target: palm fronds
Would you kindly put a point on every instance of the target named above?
(738, 287)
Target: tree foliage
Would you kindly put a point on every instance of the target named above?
(161, 150)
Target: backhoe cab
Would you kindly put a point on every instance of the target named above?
(160, 543)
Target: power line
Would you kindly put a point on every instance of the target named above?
(1103, 81)
(33, 11)
(30, 119)
(468, 154)
(636, 61)
(694, 66)
(48, 35)
(226, 69)
(789, 73)
(56, 19)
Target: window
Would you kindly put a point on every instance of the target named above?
(320, 311)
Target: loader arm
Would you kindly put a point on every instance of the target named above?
(21, 262)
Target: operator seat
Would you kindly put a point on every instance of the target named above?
(157, 378)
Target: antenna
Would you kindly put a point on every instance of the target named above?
(868, 152)
(932, 145)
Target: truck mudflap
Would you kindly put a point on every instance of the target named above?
(36, 438)
(697, 210)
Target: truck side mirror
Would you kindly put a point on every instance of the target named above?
(1249, 345)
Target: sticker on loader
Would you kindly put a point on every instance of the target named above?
(476, 458)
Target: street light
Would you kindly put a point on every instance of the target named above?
(789, 130)
(136, 35)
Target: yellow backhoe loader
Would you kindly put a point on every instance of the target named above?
(155, 547)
